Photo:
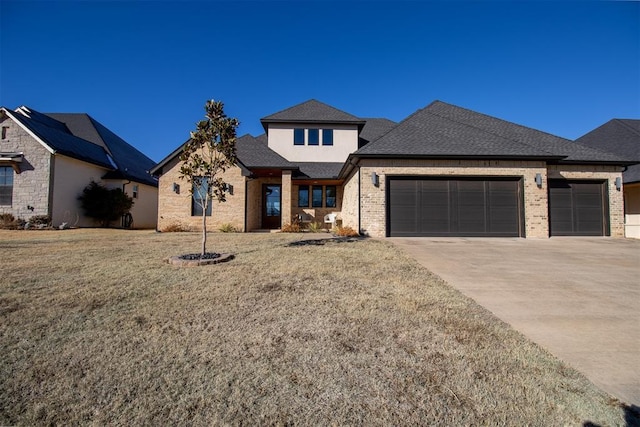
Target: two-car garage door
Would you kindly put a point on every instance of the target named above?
(490, 207)
(454, 207)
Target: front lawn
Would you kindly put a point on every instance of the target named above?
(96, 329)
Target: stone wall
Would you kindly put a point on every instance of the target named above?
(31, 187)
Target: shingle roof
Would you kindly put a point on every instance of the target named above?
(374, 128)
(312, 111)
(618, 136)
(132, 164)
(444, 130)
(80, 136)
(65, 143)
(255, 153)
(317, 170)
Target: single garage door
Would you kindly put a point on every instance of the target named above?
(577, 208)
(454, 207)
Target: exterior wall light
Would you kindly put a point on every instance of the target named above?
(375, 179)
(176, 188)
(229, 188)
(618, 183)
(539, 180)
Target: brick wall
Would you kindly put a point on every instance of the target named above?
(175, 207)
(597, 172)
(31, 187)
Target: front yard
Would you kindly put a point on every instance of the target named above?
(95, 328)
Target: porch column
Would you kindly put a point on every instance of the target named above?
(285, 210)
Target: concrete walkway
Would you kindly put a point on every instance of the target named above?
(577, 297)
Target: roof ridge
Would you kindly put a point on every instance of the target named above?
(622, 122)
(496, 134)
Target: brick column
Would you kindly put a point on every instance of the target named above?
(285, 209)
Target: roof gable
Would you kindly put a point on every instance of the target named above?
(312, 111)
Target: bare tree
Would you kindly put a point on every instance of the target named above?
(210, 151)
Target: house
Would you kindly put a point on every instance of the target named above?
(622, 137)
(46, 160)
(443, 171)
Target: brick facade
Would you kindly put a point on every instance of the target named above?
(174, 201)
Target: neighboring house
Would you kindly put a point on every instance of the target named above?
(622, 137)
(443, 171)
(46, 160)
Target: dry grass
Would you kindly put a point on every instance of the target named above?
(96, 329)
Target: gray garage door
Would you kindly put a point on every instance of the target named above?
(454, 207)
(577, 208)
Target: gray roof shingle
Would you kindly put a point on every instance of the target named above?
(445, 130)
(374, 128)
(317, 170)
(618, 136)
(312, 111)
(253, 152)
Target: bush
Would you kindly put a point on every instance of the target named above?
(315, 227)
(175, 227)
(228, 228)
(8, 222)
(44, 220)
(103, 204)
(345, 232)
(291, 228)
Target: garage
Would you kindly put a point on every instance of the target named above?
(577, 208)
(461, 207)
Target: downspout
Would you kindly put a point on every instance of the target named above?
(246, 203)
(359, 200)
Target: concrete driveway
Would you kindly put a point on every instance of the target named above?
(577, 297)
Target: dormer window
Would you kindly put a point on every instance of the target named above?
(327, 136)
(298, 136)
(314, 136)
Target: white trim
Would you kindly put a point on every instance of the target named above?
(26, 129)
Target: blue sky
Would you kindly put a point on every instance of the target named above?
(145, 69)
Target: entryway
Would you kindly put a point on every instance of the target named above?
(271, 206)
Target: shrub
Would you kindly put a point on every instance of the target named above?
(345, 232)
(228, 228)
(315, 227)
(103, 204)
(44, 220)
(175, 227)
(291, 228)
(8, 222)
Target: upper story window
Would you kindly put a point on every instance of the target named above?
(6, 185)
(314, 136)
(135, 191)
(298, 136)
(4, 131)
(327, 136)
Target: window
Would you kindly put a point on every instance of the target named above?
(135, 191)
(327, 136)
(200, 188)
(330, 196)
(4, 132)
(298, 137)
(317, 196)
(6, 185)
(314, 136)
(303, 196)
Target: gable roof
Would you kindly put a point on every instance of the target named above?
(312, 111)
(80, 136)
(618, 136)
(374, 128)
(446, 131)
(253, 152)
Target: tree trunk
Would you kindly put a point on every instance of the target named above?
(204, 229)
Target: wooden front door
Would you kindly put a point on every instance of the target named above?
(271, 206)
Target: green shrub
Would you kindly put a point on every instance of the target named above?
(104, 204)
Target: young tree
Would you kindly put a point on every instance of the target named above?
(210, 151)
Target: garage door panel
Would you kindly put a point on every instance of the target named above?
(456, 207)
(577, 208)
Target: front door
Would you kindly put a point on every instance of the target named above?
(271, 203)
